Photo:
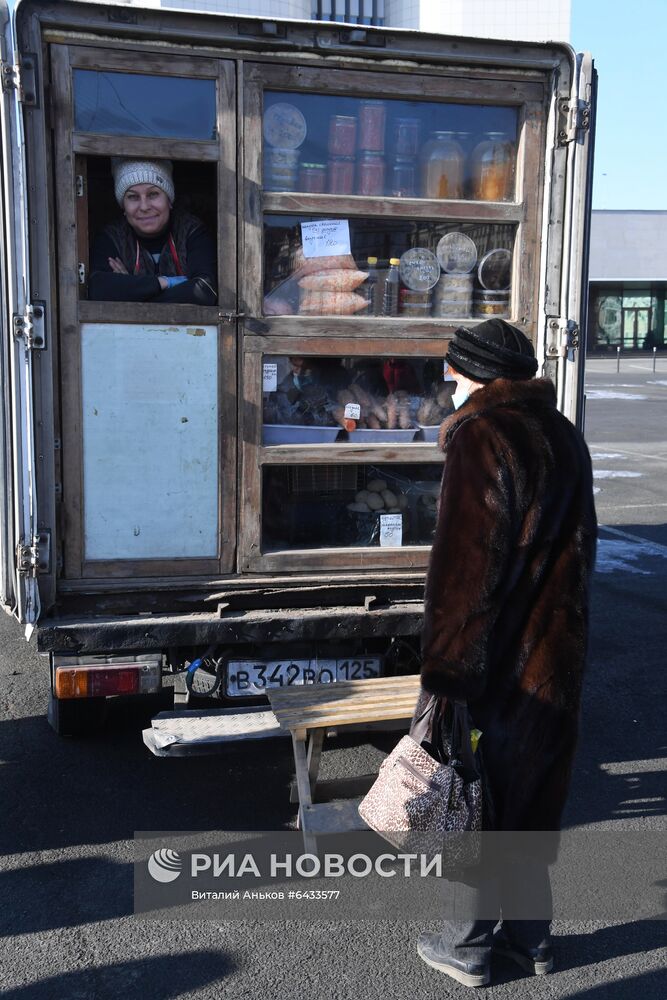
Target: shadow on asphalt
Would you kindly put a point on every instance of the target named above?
(162, 976)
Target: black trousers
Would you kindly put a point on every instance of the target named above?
(519, 897)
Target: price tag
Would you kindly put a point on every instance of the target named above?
(325, 238)
(269, 377)
(391, 530)
(352, 411)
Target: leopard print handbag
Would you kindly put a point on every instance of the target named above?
(419, 801)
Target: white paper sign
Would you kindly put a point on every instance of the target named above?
(391, 530)
(325, 238)
(352, 411)
(269, 377)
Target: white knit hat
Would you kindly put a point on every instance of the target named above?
(126, 173)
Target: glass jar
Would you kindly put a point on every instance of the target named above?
(372, 119)
(341, 175)
(370, 174)
(342, 135)
(313, 178)
(442, 167)
(405, 136)
(492, 168)
(402, 181)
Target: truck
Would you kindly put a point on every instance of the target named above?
(223, 498)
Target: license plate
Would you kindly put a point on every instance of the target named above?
(248, 677)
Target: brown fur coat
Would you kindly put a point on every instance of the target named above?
(506, 604)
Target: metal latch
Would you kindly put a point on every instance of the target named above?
(35, 558)
(562, 337)
(30, 326)
(21, 76)
(572, 120)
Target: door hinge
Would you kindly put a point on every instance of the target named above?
(562, 337)
(80, 186)
(573, 119)
(30, 326)
(35, 558)
(81, 271)
(21, 76)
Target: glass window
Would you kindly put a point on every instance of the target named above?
(355, 400)
(138, 104)
(378, 267)
(333, 506)
(406, 149)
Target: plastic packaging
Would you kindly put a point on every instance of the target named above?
(391, 289)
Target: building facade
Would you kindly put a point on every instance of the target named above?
(628, 281)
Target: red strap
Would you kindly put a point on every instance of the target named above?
(172, 250)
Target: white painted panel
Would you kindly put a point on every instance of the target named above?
(150, 441)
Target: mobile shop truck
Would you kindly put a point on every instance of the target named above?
(250, 487)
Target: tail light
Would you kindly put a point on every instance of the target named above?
(81, 680)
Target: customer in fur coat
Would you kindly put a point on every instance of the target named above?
(506, 613)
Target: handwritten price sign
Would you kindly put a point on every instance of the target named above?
(325, 238)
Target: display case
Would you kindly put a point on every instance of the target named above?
(381, 212)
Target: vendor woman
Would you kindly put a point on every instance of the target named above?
(155, 253)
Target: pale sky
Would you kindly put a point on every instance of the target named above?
(628, 40)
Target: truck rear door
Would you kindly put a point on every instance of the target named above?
(21, 549)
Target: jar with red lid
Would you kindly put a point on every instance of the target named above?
(402, 178)
(341, 175)
(372, 120)
(370, 174)
(342, 135)
(313, 178)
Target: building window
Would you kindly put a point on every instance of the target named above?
(626, 316)
(349, 11)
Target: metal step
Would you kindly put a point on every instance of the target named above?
(196, 732)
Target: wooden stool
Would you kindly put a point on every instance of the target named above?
(308, 710)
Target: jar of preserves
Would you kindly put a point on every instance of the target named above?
(342, 135)
(341, 175)
(442, 167)
(372, 119)
(370, 174)
(402, 179)
(492, 168)
(313, 178)
(405, 136)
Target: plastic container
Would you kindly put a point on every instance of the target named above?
(365, 435)
(340, 176)
(453, 295)
(370, 174)
(342, 135)
(391, 286)
(313, 178)
(298, 434)
(492, 169)
(372, 121)
(487, 304)
(403, 177)
(456, 253)
(416, 305)
(495, 270)
(442, 164)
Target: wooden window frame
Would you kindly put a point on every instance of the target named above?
(74, 311)
(367, 336)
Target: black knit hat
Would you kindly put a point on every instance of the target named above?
(494, 349)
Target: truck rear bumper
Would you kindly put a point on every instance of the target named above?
(151, 632)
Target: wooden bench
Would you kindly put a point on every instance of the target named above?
(307, 711)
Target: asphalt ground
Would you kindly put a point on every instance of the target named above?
(70, 808)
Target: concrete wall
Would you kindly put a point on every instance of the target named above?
(630, 246)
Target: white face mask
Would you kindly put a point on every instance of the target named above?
(460, 396)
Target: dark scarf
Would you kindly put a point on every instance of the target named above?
(181, 227)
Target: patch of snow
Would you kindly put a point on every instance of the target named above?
(608, 394)
(615, 474)
(620, 556)
(606, 454)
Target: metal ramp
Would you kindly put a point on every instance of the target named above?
(192, 732)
